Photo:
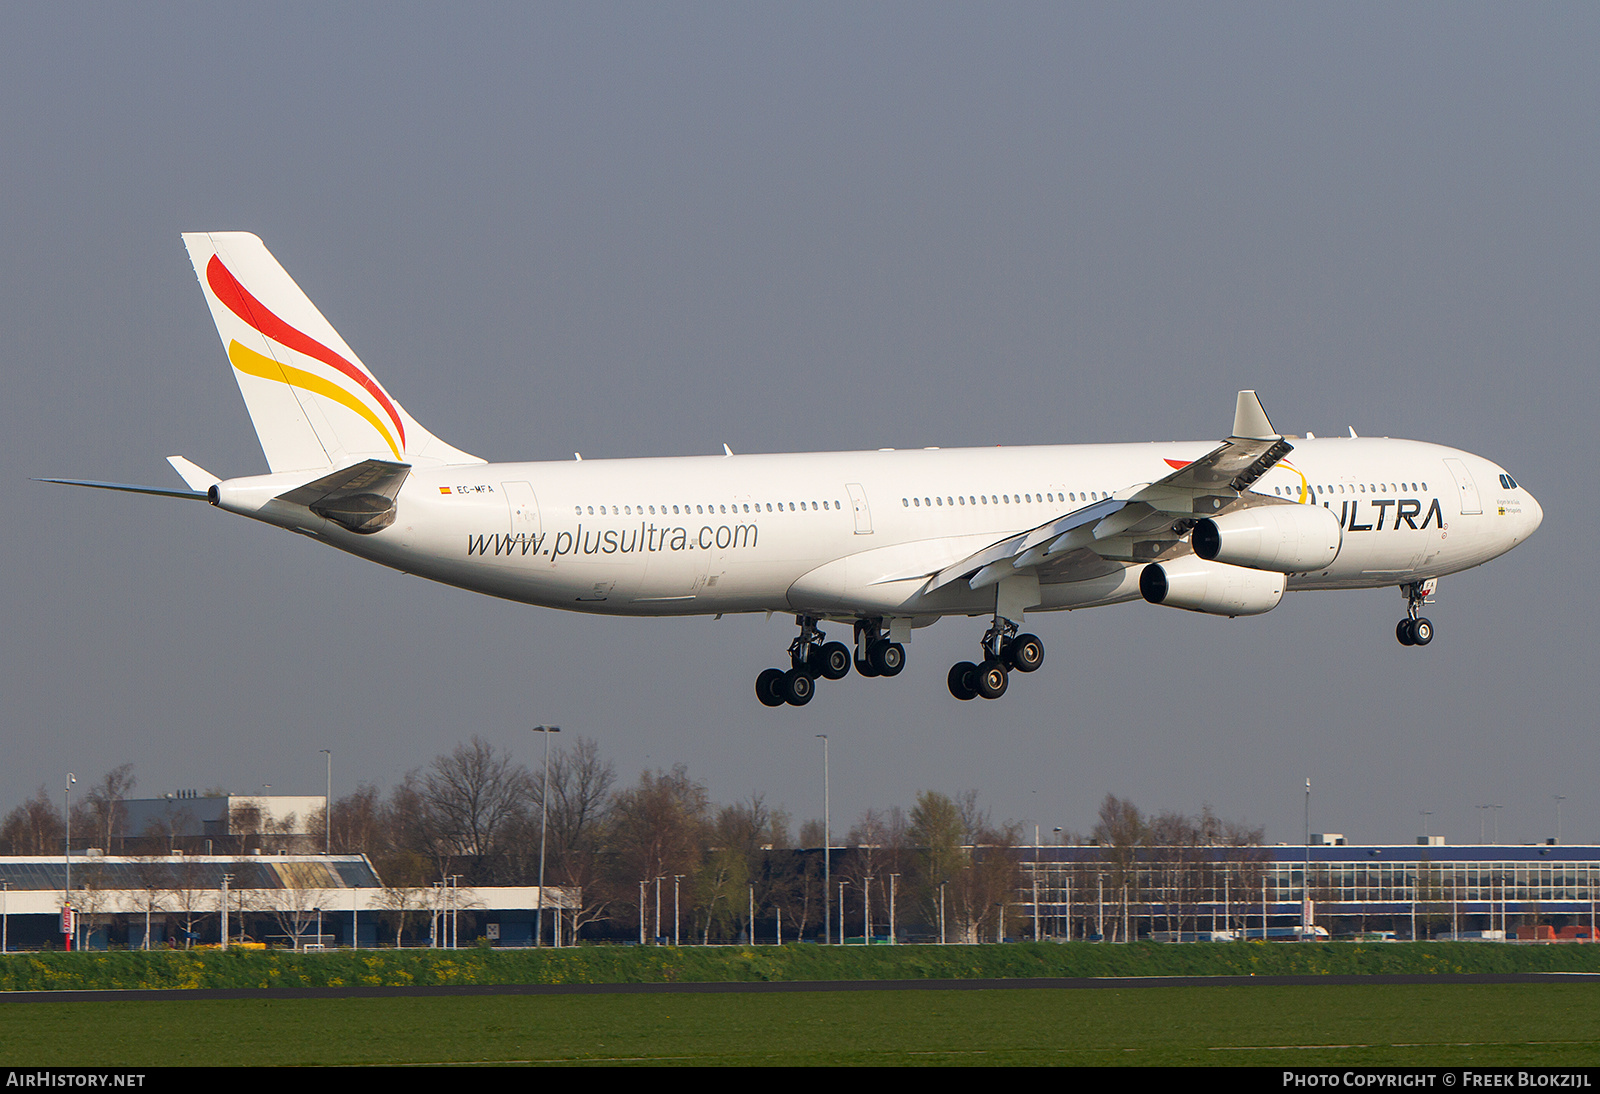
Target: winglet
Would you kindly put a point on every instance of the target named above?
(1250, 421)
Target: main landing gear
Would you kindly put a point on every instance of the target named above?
(811, 658)
(875, 654)
(1003, 650)
(1415, 630)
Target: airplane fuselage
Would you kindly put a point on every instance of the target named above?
(852, 534)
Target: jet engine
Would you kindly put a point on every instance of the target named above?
(1211, 587)
(1289, 539)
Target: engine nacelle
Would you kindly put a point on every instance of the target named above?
(1288, 539)
(1197, 585)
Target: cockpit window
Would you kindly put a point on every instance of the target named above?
(1508, 482)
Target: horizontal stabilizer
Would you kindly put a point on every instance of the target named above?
(359, 497)
(130, 488)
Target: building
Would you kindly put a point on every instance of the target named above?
(291, 900)
(1424, 890)
(229, 821)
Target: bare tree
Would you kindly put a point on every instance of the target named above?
(191, 894)
(939, 835)
(247, 822)
(659, 832)
(795, 890)
(104, 802)
(579, 820)
(878, 849)
(35, 827)
(357, 825)
(1119, 834)
(468, 798)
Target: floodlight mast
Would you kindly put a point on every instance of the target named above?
(827, 840)
(544, 813)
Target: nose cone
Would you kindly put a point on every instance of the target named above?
(1532, 516)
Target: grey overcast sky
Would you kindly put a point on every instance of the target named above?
(649, 229)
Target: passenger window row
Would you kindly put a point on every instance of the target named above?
(1002, 499)
(708, 510)
(1355, 488)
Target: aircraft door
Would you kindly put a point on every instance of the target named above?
(524, 509)
(858, 502)
(1466, 488)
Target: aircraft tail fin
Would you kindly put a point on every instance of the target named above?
(314, 405)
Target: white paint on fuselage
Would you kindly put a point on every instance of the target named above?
(707, 534)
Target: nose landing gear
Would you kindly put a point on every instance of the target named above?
(1415, 630)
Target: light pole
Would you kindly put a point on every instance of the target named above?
(893, 938)
(67, 798)
(676, 918)
(1305, 876)
(544, 811)
(1496, 822)
(327, 809)
(842, 883)
(226, 877)
(866, 910)
(827, 840)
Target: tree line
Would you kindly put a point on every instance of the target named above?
(657, 857)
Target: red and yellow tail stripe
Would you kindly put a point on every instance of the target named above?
(237, 299)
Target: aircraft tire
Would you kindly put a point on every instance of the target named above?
(888, 658)
(768, 687)
(798, 687)
(963, 680)
(992, 679)
(1402, 631)
(1025, 653)
(832, 661)
(864, 668)
(1422, 632)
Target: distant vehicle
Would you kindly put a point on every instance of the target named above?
(1290, 934)
(1223, 529)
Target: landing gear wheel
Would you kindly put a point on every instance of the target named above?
(1421, 632)
(1025, 653)
(832, 662)
(888, 658)
(963, 680)
(1402, 631)
(797, 687)
(992, 679)
(769, 687)
(864, 668)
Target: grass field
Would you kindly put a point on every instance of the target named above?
(1333, 1025)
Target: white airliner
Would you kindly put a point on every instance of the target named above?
(884, 541)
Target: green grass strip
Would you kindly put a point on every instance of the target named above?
(668, 965)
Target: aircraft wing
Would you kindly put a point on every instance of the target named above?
(1143, 523)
